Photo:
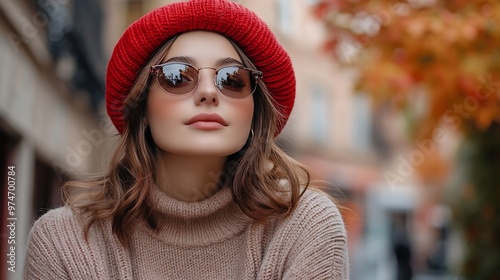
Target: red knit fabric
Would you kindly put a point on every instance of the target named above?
(150, 32)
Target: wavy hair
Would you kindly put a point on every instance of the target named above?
(264, 180)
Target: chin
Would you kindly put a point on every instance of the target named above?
(205, 150)
(189, 144)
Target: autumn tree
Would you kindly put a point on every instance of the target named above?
(446, 53)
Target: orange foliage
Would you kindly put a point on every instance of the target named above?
(448, 48)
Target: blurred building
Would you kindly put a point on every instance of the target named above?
(51, 121)
(51, 87)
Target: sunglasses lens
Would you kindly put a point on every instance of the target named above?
(177, 78)
(234, 82)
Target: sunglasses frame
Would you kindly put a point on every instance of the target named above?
(256, 75)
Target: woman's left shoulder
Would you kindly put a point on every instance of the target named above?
(314, 204)
(316, 214)
(313, 239)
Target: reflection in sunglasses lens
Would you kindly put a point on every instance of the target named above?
(180, 78)
(231, 78)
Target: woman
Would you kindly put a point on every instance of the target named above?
(197, 187)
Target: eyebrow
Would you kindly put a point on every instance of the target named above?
(192, 60)
(185, 59)
(228, 60)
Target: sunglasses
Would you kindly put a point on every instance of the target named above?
(232, 81)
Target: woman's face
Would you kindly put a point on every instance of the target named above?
(203, 122)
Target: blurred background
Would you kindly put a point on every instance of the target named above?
(397, 112)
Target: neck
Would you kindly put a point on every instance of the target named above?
(188, 178)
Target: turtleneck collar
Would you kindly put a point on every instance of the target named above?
(197, 223)
(190, 210)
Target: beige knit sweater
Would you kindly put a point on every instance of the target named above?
(211, 239)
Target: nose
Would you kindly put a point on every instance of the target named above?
(206, 92)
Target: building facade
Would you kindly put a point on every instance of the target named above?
(51, 92)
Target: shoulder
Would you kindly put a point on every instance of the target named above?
(316, 216)
(321, 248)
(50, 236)
(313, 239)
(57, 247)
(315, 206)
(57, 226)
(316, 224)
(57, 214)
(56, 219)
(314, 196)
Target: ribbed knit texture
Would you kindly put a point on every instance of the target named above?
(211, 239)
(151, 31)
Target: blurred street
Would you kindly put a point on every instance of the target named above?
(397, 155)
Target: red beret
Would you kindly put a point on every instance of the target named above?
(143, 37)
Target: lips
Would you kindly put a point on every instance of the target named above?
(207, 118)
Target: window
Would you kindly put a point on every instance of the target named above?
(362, 128)
(319, 115)
(285, 16)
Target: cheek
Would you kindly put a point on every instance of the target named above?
(161, 106)
(161, 112)
(243, 114)
(246, 112)
(242, 119)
